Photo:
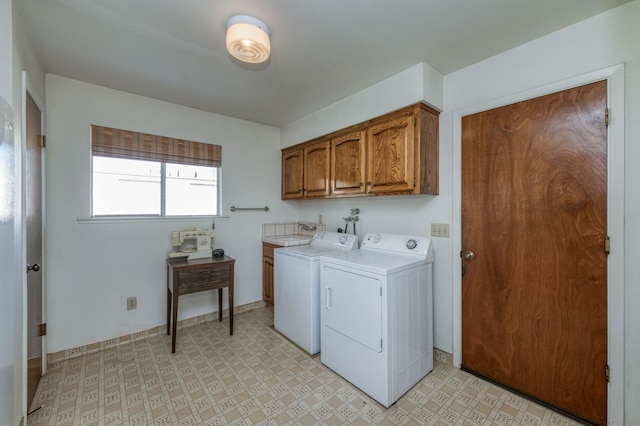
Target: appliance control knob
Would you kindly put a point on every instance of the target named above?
(411, 244)
(343, 240)
(376, 239)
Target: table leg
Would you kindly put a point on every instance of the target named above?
(168, 298)
(220, 304)
(174, 312)
(231, 300)
(168, 310)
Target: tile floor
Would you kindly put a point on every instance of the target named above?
(254, 377)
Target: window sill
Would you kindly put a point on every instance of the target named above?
(139, 219)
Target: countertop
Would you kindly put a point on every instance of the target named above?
(288, 240)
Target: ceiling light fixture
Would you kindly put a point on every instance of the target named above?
(248, 39)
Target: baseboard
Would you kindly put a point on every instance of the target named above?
(67, 354)
(442, 356)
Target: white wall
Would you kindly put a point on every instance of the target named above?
(9, 275)
(418, 83)
(6, 47)
(94, 267)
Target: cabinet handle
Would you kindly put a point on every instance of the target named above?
(328, 301)
(368, 183)
(360, 184)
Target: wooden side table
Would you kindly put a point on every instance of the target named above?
(193, 276)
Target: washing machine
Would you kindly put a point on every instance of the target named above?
(296, 276)
(377, 314)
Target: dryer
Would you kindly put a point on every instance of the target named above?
(296, 275)
(377, 314)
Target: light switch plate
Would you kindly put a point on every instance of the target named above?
(132, 303)
(440, 230)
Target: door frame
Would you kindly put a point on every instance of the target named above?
(615, 220)
(29, 87)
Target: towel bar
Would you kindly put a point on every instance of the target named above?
(235, 209)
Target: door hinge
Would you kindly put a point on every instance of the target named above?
(607, 245)
(606, 117)
(607, 373)
(43, 141)
(42, 329)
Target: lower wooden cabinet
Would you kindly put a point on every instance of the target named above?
(267, 272)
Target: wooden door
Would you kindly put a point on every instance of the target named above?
(33, 193)
(534, 211)
(292, 173)
(348, 164)
(390, 152)
(316, 169)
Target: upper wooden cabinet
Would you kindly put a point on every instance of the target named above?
(393, 154)
(348, 163)
(292, 172)
(316, 169)
(426, 155)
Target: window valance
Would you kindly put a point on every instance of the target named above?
(118, 143)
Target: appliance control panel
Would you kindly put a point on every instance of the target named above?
(335, 239)
(406, 244)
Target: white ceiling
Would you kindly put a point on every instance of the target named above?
(322, 50)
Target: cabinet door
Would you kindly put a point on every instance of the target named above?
(348, 163)
(390, 153)
(267, 279)
(267, 272)
(316, 169)
(292, 173)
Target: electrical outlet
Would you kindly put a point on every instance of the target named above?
(440, 230)
(132, 303)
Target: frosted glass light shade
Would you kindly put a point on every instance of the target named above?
(248, 39)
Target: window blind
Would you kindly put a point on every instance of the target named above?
(118, 143)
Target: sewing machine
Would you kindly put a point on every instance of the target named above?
(192, 243)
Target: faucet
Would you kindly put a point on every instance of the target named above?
(307, 227)
(353, 218)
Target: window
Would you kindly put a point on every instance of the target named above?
(141, 174)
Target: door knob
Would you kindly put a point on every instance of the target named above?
(34, 268)
(469, 255)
